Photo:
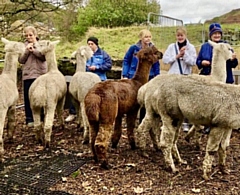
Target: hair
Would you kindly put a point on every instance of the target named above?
(30, 28)
(143, 33)
(182, 30)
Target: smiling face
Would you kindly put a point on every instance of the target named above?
(181, 34)
(216, 37)
(145, 36)
(31, 34)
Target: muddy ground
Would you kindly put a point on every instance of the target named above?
(131, 173)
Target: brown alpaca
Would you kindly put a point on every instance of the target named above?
(108, 101)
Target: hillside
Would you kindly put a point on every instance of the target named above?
(228, 18)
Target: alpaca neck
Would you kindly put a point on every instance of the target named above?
(10, 65)
(142, 72)
(81, 64)
(51, 60)
(219, 67)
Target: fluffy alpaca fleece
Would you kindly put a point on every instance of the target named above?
(221, 53)
(207, 103)
(108, 101)
(80, 84)
(48, 92)
(9, 91)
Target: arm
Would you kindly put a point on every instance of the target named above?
(190, 55)
(169, 56)
(156, 68)
(107, 63)
(38, 55)
(127, 61)
(22, 59)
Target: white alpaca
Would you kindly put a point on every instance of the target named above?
(48, 93)
(9, 91)
(207, 103)
(79, 86)
(221, 53)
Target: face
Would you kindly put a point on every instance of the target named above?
(146, 39)
(216, 37)
(92, 45)
(181, 37)
(31, 38)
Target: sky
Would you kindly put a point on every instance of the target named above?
(194, 11)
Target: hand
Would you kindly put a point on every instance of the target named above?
(30, 47)
(234, 56)
(181, 52)
(92, 68)
(206, 63)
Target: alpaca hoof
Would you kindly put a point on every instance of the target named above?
(47, 144)
(85, 142)
(114, 145)
(105, 165)
(224, 170)
(133, 145)
(206, 177)
(95, 159)
(183, 162)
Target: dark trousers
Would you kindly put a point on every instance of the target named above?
(28, 111)
(72, 109)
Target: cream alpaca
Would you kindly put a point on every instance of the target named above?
(9, 91)
(80, 84)
(48, 92)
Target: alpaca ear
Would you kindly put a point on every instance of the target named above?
(55, 42)
(5, 41)
(73, 55)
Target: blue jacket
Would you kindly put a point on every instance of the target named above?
(103, 63)
(205, 53)
(130, 63)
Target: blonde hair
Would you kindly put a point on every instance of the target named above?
(181, 29)
(30, 28)
(143, 33)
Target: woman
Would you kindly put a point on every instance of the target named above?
(130, 61)
(204, 58)
(182, 57)
(33, 65)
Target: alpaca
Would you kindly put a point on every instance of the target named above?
(211, 103)
(221, 53)
(9, 91)
(80, 84)
(108, 101)
(48, 92)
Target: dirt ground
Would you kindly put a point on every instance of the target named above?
(131, 173)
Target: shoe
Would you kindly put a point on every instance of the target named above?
(185, 127)
(70, 118)
(206, 130)
(30, 124)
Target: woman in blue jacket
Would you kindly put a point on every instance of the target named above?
(204, 58)
(130, 61)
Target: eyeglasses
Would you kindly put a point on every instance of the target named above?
(28, 35)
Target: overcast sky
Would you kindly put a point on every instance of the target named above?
(193, 11)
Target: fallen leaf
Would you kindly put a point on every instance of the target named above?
(138, 190)
(196, 190)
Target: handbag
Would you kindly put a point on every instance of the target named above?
(179, 63)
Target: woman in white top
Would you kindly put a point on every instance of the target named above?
(180, 55)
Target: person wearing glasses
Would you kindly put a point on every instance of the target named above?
(33, 65)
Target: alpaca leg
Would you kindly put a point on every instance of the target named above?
(102, 142)
(117, 132)
(175, 151)
(143, 129)
(155, 131)
(3, 113)
(131, 118)
(49, 117)
(222, 151)
(166, 142)
(93, 134)
(38, 129)
(85, 124)
(59, 110)
(11, 122)
(213, 143)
